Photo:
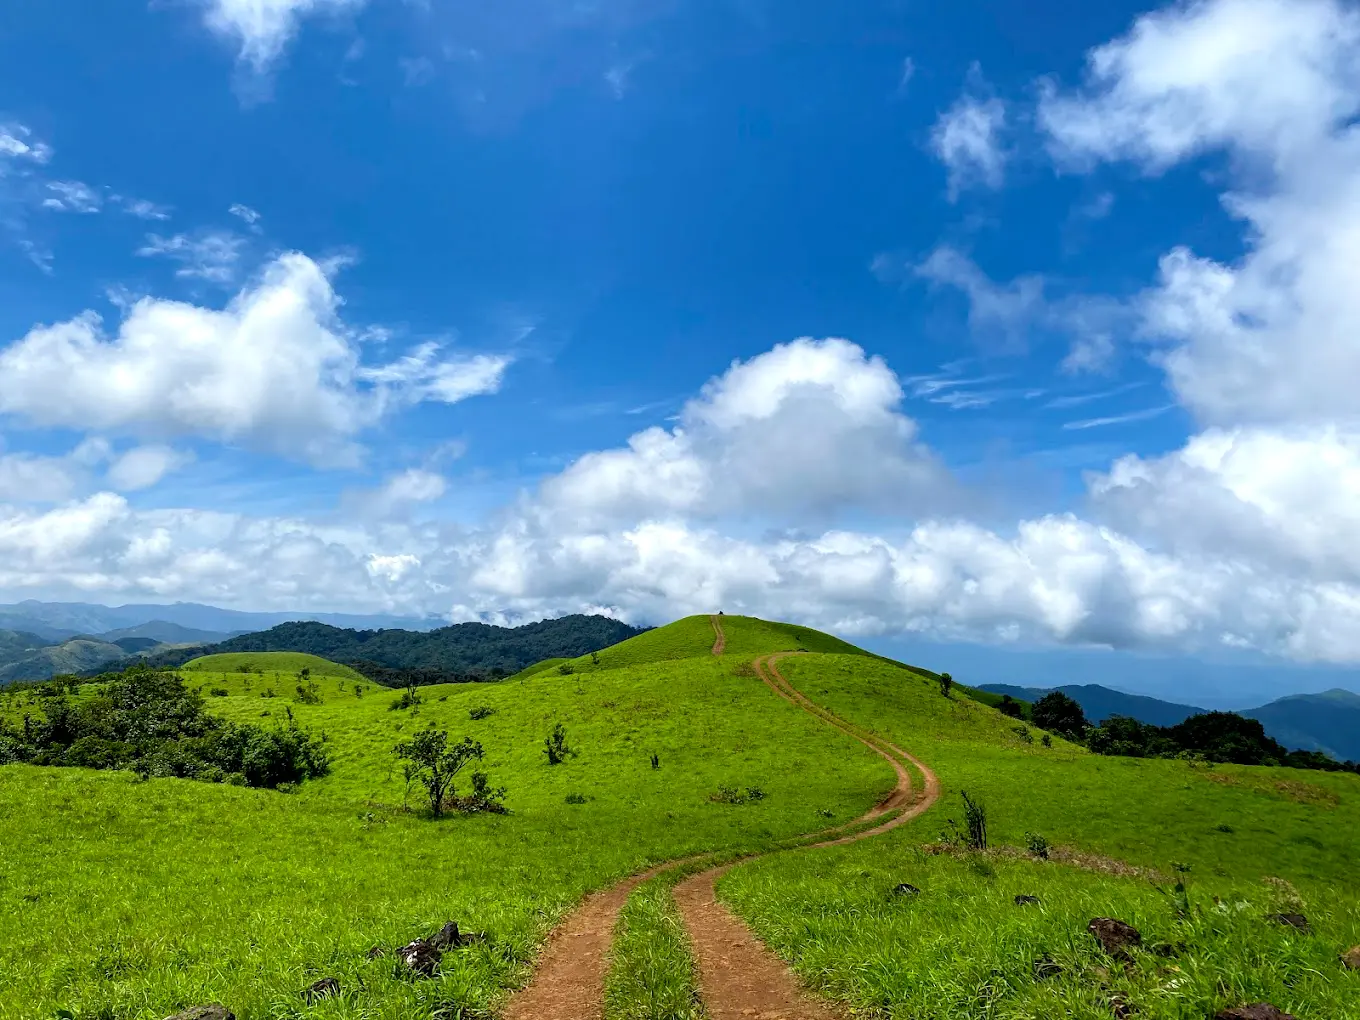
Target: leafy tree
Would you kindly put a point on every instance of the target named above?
(1009, 706)
(1058, 713)
(946, 684)
(434, 763)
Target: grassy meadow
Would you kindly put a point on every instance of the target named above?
(1257, 841)
(127, 900)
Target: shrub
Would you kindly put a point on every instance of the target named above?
(1047, 741)
(946, 684)
(566, 669)
(576, 798)
(1037, 845)
(656, 760)
(555, 746)
(219, 692)
(731, 795)
(1023, 733)
(1009, 706)
(975, 818)
(308, 694)
(409, 698)
(481, 712)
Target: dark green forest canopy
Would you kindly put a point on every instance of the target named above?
(464, 651)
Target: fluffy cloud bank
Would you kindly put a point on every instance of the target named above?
(275, 370)
(794, 484)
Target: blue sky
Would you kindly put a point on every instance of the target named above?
(391, 293)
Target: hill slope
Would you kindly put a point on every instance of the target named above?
(286, 663)
(1328, 722)
(462, 651)
(78, 655)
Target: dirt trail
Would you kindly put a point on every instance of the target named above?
(739, 978)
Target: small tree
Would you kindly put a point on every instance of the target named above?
(1009, 706)
(1058, 713)
(432, 762)
(555, 746)
(946, 684)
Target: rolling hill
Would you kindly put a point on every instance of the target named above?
(677, 752)
(77, 655)
(1101, 702)
(1327, 722)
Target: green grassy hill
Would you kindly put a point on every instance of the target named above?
(130, 899)
(285, 664)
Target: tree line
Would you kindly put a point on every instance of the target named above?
(1212, 736)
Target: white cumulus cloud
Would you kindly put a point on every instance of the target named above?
(263, 28)
(275, 369)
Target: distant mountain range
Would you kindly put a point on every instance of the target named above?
(60, 620)
(1327, 722)
(43, 639)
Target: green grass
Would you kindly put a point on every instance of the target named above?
(652, 974)
(141, 898)
(126, 900)
(692, 637)
(537, 667)
(284, 663)
(963, 950)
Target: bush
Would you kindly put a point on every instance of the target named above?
(409, 699)
(731, 795)
(1037, 845)
(576, 798)
(946, 684)
(219, 692)
(1023, 733)
(555, 746)
(1009, 706)
(975, 818)
(481, 712)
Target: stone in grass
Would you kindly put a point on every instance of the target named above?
(446, 937)
(1291, 920)
(905, 889)
(1026, 901)
(1350, 959)
(1258, 1011)
(1045, 968)
(322, 989)
(419, 957)
(208, 1011)
(1115, 937)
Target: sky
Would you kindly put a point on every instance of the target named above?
(1021, 333)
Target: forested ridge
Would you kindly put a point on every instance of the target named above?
(461, 652)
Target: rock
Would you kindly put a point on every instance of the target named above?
(1026, 901)
(447, 937)
(1259, 1011)
(905, 889)
(1292, 920)
(1115, 937)
(1121, 1007)
(1045, 968)
(1350, 959)
(420, 957)
(209, 1011)
(321, 989)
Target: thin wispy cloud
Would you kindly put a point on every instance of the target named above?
(1119, 419)
(1077, 399)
